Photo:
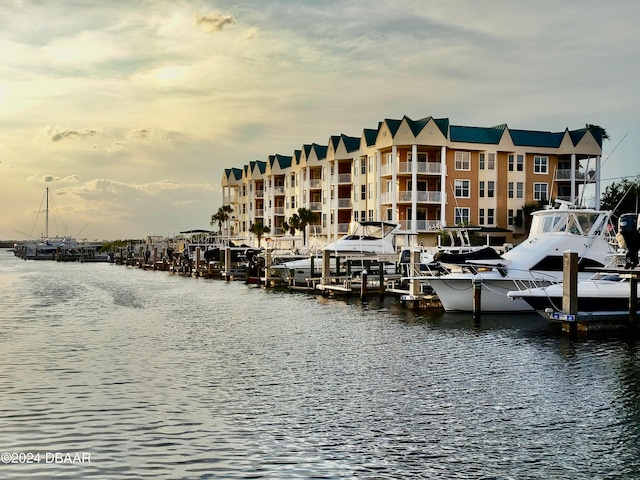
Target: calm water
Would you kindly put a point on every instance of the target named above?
(147, 375)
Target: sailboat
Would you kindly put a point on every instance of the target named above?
(62, 248)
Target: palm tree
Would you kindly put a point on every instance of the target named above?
(259, 229)
(221, 216)
(305, 217)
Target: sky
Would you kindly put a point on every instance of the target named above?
(129, 111)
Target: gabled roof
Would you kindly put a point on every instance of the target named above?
(578, 135)
(490, 135)
(370, 135)
(297, 155)
(262, 166)
(393, 125)
(530, 138)
(282, 160)
(320, 150)
(233, 172)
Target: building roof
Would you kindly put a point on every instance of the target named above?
(531, 138)
(487, 135)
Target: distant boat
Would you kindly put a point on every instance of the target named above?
(62, 248)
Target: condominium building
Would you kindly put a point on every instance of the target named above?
(423, 174)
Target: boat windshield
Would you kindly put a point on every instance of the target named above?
(575, 223)
(370, 231)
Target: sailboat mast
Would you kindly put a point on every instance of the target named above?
(46, 217)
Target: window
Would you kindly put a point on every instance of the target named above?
(363, 192)
(461, 216)
(520, 190)
(370, 190)
(491, 187)
(463, 161)
(363, 166)
(481, 216)
(371, 163)
(511, 162)
(491, 161)
(481, 162)
(324, 220)
(510, 190)
(371, 215)
(491, 214)
(540, 191)
(462, 188)
(363, 216)
(293, 201)
(540, 164)
(481, 189)
(355, 215)
(520, 163)
(510, 216)
(293, 179)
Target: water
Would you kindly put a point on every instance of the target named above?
(156, 376)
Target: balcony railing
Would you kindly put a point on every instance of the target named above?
(259, 213)
(344, 178)
(259, 193)
(278, 190)
(278, 210)
(315, 183)
(344, 203)
(429, 168)
(315, 206)
(343, 228)
(406, 197)
(421, 225)
(566, 175)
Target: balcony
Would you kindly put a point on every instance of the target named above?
(344, 203)
(315, 206)
(278, 210)
(566, 175)
(343, 228)
(422, 168)
(259, 193)
(406, 197)
(421, 225)
(315, 183)
(259, 213)
(344, 178)
(279, 190)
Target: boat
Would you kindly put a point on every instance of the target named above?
(535, 262)
(365, 239)
(604, 294)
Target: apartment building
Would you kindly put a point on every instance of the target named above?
(423, 174)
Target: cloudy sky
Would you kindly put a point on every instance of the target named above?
(130, 110)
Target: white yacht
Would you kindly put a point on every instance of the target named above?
(535, 262)
(603, 294)
(364, 238)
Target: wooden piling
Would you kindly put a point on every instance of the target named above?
(477, 299)
(414, 283)
(326, 267)
(570, 290)
(363, 285)
(633, 301)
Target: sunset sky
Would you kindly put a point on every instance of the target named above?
(129, 111)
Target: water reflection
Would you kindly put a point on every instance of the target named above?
(166, 377)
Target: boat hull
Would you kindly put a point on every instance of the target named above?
(456, 293)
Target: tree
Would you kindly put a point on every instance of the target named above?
(621, 197)
(259, 229)
(305, 217)
(221, 216)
